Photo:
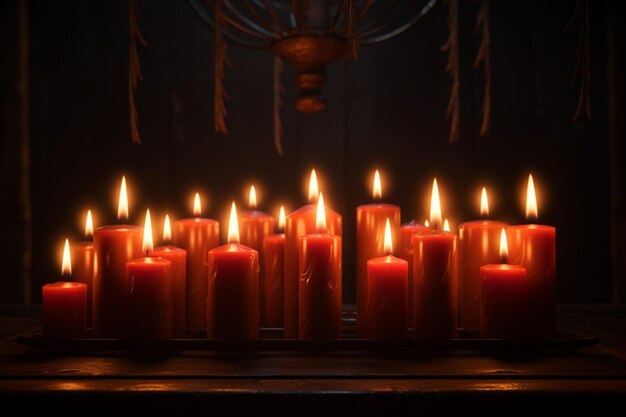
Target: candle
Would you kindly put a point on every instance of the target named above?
(197, 236)
(113, 247)
(319, 289)
(370, 226)
(178, 258)
(405, 251)
(503, 305)
(254, 226)
(82, 257)
(149, 293)
(387, 282)
(434, 278)
(533, 247)
(65, 305)
(478, 245)
(274, 268)
(299, 223)
(233, 302)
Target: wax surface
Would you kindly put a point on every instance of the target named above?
(178, 258)
(503, 305)
(405, 251)
(82, 271)
(387, 281)
(65, 310)
(274, 270)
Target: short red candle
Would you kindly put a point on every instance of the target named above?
(274, 267)
(82, 271)
(149, 298)
(178, 258)
(434, 286)
(405, 251)
(65, 310)
(387, 282)
(503, 305)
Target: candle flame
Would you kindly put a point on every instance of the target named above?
(377, 191)
(122, 204)
(446, 225)
(426, 223)
(167, 229)
(484, 203)
(320, 218)
(89, 225)
(504, 246)
(252, 197)
(435, 206)
(66, 264)
(388, 244)
(233, 225)
(531, 199)
(148, 245)
(281, 218)
(197, 206)
(313, 187)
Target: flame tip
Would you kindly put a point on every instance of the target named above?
(377, 189)
(233, 225)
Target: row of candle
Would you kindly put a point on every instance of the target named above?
(294, 279)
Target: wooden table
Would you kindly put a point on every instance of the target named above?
(468, 381)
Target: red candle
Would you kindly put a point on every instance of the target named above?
(370, 226)
(254, 226)
(113, 247)
(197, 236)
(178, 258)
(387, 282)
(478, 245)
(274, 268)
(233, 302)
(319, 301)
(82, 257)
(405, 251)
(503, 303)
(434, 283)
(65, 305)
(299, 223)
(533, 247)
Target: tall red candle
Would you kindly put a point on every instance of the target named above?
(387, 282)
(65, 305)
(405, 251)
(233, 278)
(113, 247)
(478, 245)
(533, 247)
(254, 226)
(82, 259)
(274, 275)
(370, 226)
(319, 301)
(197, 236)
(299, 223)
(178, 258)
(503, 303)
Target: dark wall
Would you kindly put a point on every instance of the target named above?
(385, 110)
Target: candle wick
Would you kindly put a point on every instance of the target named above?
(504, 259)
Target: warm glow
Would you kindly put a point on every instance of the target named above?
(197, 207)
(281, 218)
(531, 199)
(66, 264)
(89, 225)
(122, 205)
(167, 229)
(388, 244)
(435, 206)
(320, 219)
(314, 190)
(504, 247)
(252, 197)
(377, 191)
(233, 225)
(484, 203)
(147, 246)
(446, 225)
(426, 223)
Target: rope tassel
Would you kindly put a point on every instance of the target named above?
(278, 102)
(484, 57)
(134, 69)
(221, 61)
(453, 112)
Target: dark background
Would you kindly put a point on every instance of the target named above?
(386, 110)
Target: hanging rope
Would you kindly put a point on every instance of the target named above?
(484, 57)
(582, 70)
(352, 46)
(453, 112)
(278, 102)
(134, 69)
(221, 61)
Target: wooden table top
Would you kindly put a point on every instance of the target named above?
(584, 376)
